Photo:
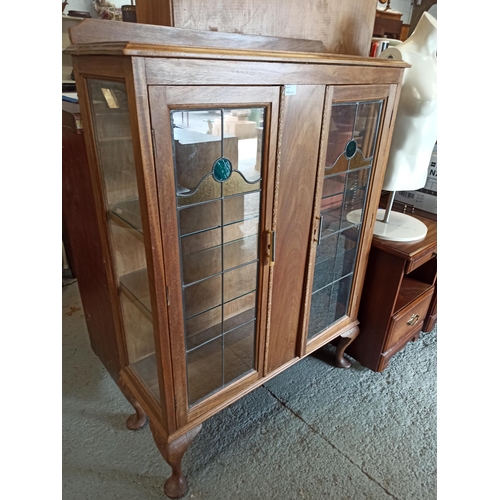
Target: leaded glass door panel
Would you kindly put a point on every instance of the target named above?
(344, 182)
(221, 155)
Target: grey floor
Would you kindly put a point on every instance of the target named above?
(313, 432)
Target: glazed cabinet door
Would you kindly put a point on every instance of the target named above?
(215, 150)
(346, 194)
(120, 178)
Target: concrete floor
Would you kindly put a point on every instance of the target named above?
(313, 432)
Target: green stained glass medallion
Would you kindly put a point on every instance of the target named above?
(222, 169)
(350, 149)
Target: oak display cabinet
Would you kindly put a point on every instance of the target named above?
(222, 180)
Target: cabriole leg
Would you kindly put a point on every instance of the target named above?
(139, 419)
(176, 485)
(339, 360)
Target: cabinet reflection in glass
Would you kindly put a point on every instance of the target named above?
(218, 164)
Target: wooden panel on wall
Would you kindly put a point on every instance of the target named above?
(344, 26)
(155, 12)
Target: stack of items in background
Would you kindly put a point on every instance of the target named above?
(378, 46)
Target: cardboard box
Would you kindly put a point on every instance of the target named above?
(426, 197)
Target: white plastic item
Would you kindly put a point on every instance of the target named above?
(415, 131)
(400, 227)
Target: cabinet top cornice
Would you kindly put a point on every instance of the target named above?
(100, 37)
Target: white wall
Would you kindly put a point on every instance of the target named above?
(88, 5)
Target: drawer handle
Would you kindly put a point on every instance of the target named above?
(413, 320)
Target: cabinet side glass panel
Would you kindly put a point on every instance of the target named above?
(217, 158)
(352, 137)
(110, 112)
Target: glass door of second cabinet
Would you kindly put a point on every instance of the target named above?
(222, 187)
(352, 138)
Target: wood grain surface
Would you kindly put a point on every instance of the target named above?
(298, 165)
(344, 26)
(98, 30)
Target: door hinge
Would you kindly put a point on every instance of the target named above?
(319, 230)
(168, 296)
(272, 247)
(153, 140)
(175, 403)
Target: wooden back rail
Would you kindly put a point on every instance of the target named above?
(343, 27)
(98, 30)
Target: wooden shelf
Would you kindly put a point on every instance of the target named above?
(409, 291)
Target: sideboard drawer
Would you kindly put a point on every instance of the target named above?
(418, 261)
(409, 319)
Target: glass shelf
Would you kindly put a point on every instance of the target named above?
(215, 364)
(125, 138)
(129, 212)
(208, 325)
(241, 320)
(137, 285)
(335, 257)
(208, 253)
(329, 304)
(220, 289)
(147, 371)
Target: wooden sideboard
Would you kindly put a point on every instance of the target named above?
(399, 297)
